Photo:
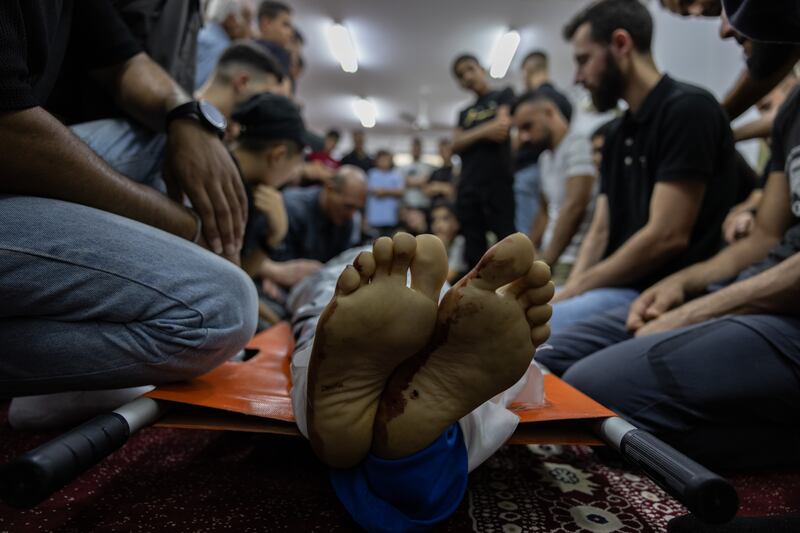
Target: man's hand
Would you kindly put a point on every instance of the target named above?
(198, 165)
(269, 201)
(677, 318)
(289, 273)
(497, 129)
(738, 225)
(317, 172)
(653, 303)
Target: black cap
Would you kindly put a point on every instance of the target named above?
(268, 116)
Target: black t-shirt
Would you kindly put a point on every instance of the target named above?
(257, 228)
(38, 36)
(485, 164)
(364, 163)
(679, 133)
(786, 159)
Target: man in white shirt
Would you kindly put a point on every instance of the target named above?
(567, 174)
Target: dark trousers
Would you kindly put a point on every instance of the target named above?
(726, 392)
(481, 210)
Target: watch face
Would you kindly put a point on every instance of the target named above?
(213, 115)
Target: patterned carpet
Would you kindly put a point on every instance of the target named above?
(198, 481)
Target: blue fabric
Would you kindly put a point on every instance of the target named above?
(410, 494)
(211, 43)
(589, 304)
(382, 212)
(527, 188)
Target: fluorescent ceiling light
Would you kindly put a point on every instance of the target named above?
(366, 112)
(341, 44)
(503, 53)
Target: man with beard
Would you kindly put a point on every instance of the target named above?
(667, 165)
(567, 176)
(767, 62)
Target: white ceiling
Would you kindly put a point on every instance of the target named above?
(406, 48)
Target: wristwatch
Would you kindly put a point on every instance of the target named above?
(203, 112)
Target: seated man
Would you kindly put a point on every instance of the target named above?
(567, 176)
(717, 376)
(137, 151)
(324, 221)
(393, 389)
(226, 21)
(101, 285)
(668, 166)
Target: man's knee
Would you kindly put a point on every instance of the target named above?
(229, 310)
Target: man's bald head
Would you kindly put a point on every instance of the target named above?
(345, 194)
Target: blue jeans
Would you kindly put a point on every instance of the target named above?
(527, 189)
(589, 304)
(128, 148)
(91, 300)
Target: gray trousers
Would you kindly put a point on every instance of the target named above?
(91, 300)
(726, 391)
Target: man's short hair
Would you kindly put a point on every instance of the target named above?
(545, 94)
(383, 152)
(333, 133)
(219, 10)
(250, 56)
(607, 16)
(540, 55)
(460, 59)
(270, 10)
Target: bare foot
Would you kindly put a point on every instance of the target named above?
(372, 324)
(483, 343)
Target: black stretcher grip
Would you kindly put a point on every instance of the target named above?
(33, 477)
(710, 497)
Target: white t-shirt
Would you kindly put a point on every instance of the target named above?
(573, 157)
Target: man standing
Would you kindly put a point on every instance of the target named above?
(485, 197)
(358, 156)
(416, 175)
(667, 172)
(567, 175)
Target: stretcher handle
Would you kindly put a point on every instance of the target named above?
(708, 496)
(34, 476)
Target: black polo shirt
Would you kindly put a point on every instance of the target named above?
(679, 133)
(485, 164)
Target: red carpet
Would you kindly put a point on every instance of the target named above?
(183, 480)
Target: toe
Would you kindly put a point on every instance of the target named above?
(429, 267)
(382, 253)
(349, 281)
(365, 265)
(540, 334)
(539, 315)
(537, 276)
(403, 247)
(537, 296)
(505, 262)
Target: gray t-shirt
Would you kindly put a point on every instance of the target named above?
(573, 157)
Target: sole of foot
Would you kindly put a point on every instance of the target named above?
(373, 323)
(488, 327)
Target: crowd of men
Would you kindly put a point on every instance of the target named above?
(161, 195)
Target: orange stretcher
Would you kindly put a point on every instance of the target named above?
(254, 396)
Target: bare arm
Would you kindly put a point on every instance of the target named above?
(595, 241)
(570, 216)
(43, 158)
(539, 223)
(673, 211)
(747, 91)
(196, 162)
(760, 128)
(496, 130)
